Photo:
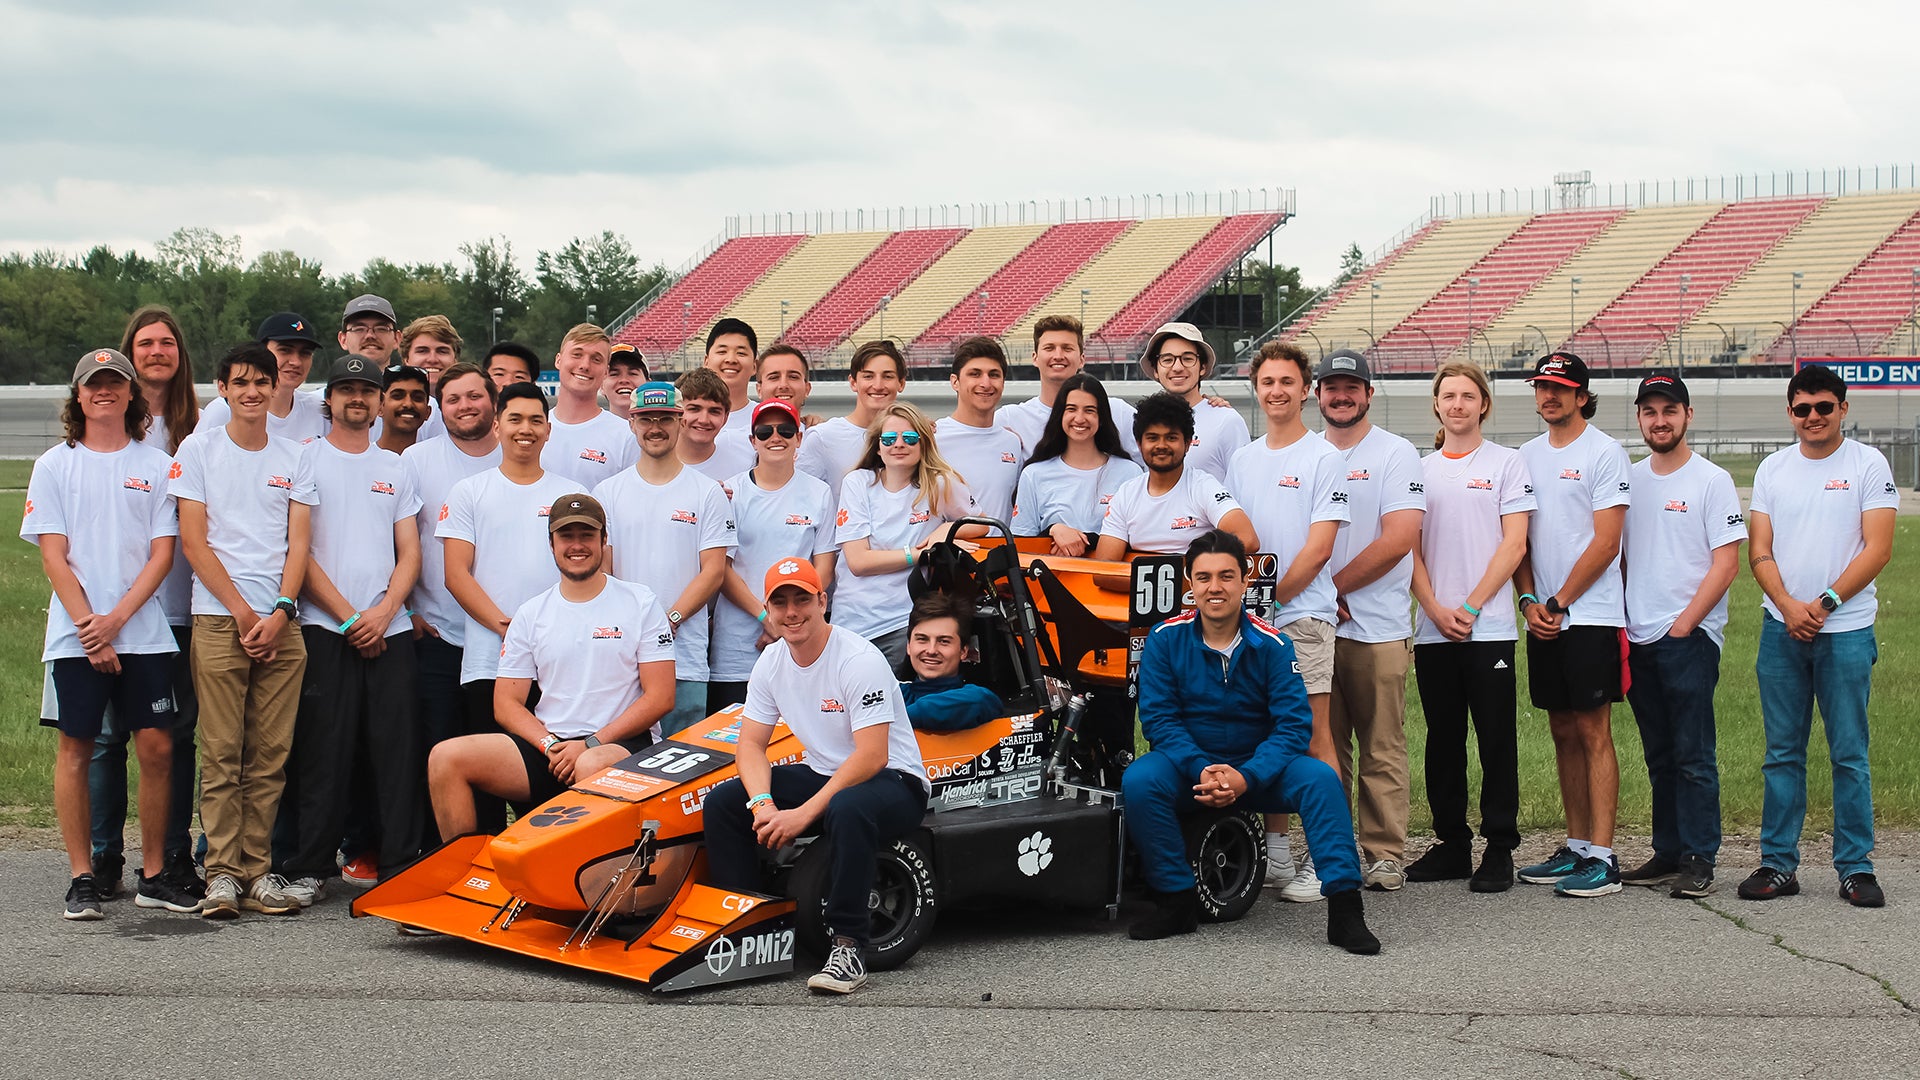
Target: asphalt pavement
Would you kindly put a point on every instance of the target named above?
(1519, 984)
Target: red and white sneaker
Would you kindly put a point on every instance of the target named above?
(361, 872)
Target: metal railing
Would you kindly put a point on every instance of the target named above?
(1732, 188)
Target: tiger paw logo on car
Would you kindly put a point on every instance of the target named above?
(558, 815)
(1036, 853)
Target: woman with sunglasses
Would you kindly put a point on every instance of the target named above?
(778, 512)
(1077, 466)
(893, 506)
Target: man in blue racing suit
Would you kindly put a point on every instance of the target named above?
(1223, 707)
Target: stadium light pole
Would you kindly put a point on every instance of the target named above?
(686, 327)
(1084, 293)
(783, 321)
(1793, 327)
(1913, 310)
(1473, 286)
(1573, 293)
(1680, 324)
(981, 328)
(1373, 297)
(497, 312)
(884, 301)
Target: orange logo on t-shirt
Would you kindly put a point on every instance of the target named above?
(29, 506)
(381, 487)
(919, 517)
(841, 518)
(1359, 474)
(1007, 456)
(285, 483)
(173, 472)
(1838, 485)
(1475, 484)
(1289, 481)
(1186, 523)
(1569, 474)
(597, 456)
(134, 483)
(1678, 506)
(606, 633)
(799, 519)
(686, 517)
(546, 511)
(443, 511)
(831, 705)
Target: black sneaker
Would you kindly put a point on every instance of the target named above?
(1862, 890)
(1442, 862)
(1173, 913)
(1658, 870)
(106, 875)
(83, 900)
(1767, 883)
(1693, 880)
(1495, 873)
(159, 891)
(180, 871)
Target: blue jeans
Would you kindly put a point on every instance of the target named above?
(1672, 699)
(107, 772)
(1837, 671)
(1157, 793)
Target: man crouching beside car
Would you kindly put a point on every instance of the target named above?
(1226, 714)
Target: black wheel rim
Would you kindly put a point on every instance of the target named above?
(891, 903)
(1226, 861)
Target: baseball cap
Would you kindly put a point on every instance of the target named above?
(793, 571)
(355, 368)
(576, 510)
(655, 397)
(1671, 386)
(100, 360)
(366, 304)
(1562, 368)
(1183, 331)
(624, 353)
(1344, 362)
(286, 326)
(780, 405)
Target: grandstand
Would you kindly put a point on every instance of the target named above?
(1763, 274)
(926, 278)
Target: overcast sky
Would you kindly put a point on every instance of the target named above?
(349, 129)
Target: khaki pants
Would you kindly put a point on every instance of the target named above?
(1369, 708)
(246, 730)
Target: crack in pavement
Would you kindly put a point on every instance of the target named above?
(1779, 941)
(1459, 1037)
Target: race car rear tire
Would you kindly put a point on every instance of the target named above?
(1228, 852)
(902, 903)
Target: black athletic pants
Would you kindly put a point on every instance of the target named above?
(1459, 680)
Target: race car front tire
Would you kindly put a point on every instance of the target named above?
(902, 903)
(1228, 852)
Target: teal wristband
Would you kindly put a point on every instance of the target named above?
(1469, 609)
(1527, 598)
(762, 616)
(349, 623)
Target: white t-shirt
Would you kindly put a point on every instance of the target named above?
(988, 459)
(512, 555)
(736, 438)
(176, 593)
(1815, 507)
(1029, 421)
(1166, 524)
(246, 493)
(111, 508)
(1285, 492)
(658, 532)
(876, 604)
(434, 468)
(1673, 526)
(729, 458)
(1382, 475)
(1466, 498)
(830, 451)
(590, 451)
(1572, 483)
(1052, 492)
(1218, 433)
(303, 423)
(847, 688)
(361, 498)
(795, 519)
(586, 656)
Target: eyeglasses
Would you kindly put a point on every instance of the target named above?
(1181, 360)
(656, 419)
(368, 329)
(763, 432)
(911, 438)
(1805, 408)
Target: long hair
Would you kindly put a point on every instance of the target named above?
(1469, 371)
(74, 419)
(933, 476)
(180, 408)
(1053, 438)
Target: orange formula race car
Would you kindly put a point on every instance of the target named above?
(1025, 810)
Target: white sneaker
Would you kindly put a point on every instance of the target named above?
(268, 896)
(223, 898)
(304, 891)
(1387, 874)
(1305, 886)
(1279, 871)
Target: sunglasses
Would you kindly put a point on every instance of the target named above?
(1807, 408)
(911, 438)
(763, 432)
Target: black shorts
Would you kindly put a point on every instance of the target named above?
(141, 695)
(1577, 671)
(542, 785)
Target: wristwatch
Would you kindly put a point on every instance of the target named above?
(288, 606)
(547, 744)
(592, 741)
(674, 618)
(1830, 600)
(1553, 606)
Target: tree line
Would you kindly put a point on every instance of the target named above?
(55, 306)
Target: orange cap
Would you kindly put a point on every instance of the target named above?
(793, 571)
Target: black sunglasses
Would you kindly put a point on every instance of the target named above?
(1806, 408)
(763, 432)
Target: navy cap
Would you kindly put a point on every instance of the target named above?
(287, 326)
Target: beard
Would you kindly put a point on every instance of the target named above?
(579, 575)
(1358, 416)
(480, 426)
(1670, 441)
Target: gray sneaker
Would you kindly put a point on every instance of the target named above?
(1386, 875)
(223, 898)
(304, 891)
(268, 896)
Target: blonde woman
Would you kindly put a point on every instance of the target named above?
(892, 505)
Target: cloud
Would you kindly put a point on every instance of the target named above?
(350, 130)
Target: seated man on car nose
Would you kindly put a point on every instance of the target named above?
(940, 699)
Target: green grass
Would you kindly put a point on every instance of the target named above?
(14, 474)
(26, 749)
